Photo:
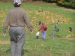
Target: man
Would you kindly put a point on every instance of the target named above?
(16, 21)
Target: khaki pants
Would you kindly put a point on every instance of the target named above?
(16, 47)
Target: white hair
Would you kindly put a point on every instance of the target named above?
(17, 1)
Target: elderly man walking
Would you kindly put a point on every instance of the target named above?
(16, 21)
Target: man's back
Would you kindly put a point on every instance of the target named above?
(16, 17)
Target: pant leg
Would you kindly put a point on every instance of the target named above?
(44, 35)
(13, 44)
(13, 47)
(53, 35)
(19, 48)
(20, 42)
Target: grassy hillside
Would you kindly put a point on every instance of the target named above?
(62, 45)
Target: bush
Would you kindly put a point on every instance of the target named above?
(49, 1)
(67, 3)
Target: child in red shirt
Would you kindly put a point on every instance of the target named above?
(42, 29)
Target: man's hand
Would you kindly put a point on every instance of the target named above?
(31, 30)
(4, 32)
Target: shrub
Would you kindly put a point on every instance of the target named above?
(66, 3)
(49, 0)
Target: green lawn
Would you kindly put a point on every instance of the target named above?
(60, 46)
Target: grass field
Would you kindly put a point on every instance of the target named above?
(62, 45)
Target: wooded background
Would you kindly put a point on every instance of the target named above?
(64, 3)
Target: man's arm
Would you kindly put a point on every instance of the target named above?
(6, 23)
(27, 22)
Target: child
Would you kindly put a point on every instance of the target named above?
(37, 35)
(42, 29)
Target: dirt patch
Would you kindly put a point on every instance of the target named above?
(4, 42)
(68, 9)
